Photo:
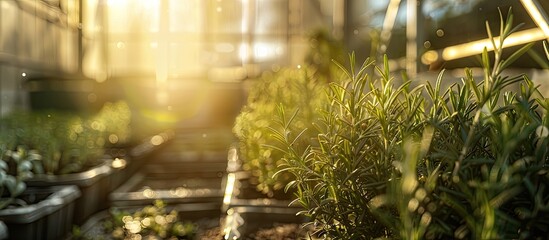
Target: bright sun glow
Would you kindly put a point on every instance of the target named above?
(231, 179)
(476, 47)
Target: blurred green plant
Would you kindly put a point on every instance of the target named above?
(300, 87)
(114, 120)
(323, 50)
(66, 142)
(150, 222)
(292, 87)
(15, 168)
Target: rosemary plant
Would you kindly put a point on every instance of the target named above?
(489, 157)
(466, 162)
(360, 136)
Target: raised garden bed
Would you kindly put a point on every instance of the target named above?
(243, 223)
(93, 185)
(128, 160)
(251, 214)
(204, 216)
(172, 188)
(243, 199)
(47, 216)
(188, 170)
(264, 222)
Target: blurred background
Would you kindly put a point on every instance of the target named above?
(190, 61)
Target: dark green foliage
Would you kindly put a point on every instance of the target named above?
(488, 159)
(466, 162)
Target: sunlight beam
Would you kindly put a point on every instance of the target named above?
(476, 47)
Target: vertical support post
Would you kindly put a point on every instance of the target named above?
(413, 37)
(162, 96)
(248, 21)
(388, 24)
(80, 36)
(1, 93)
(103, 12)
(294, 30)
(163, 44)
(338, 18)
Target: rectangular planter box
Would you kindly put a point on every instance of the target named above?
(93, 184)
(240, 190)
(204, 214)
(174, 176)
(134, 157)
(142, 188)
(249, 210)
(241, 221)
(49, 218)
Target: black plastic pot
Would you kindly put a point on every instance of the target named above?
(48, 216)
(93, 184)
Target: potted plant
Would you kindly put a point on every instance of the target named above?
(32, 213)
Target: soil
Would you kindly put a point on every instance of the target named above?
(279, 231)
(209, 229)
(286, 231)
(210, 224)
